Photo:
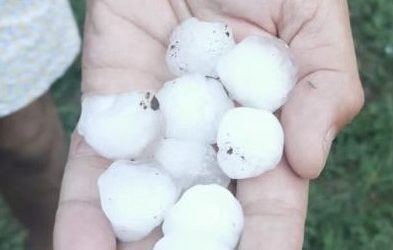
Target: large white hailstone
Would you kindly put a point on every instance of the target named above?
(121, 126)
(182, 242)
(193, 106)
(258, 72)
(206, 211)
(135, 197)
(195, 47)
(190, 163)
(250, 142)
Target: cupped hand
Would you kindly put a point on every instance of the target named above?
(124, 49)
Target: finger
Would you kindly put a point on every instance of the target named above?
(275, 206)
(244, 17)
(239, 18)
(329, 93)
(82, 226)
(80, 222)
(125, 44)
(146, 243)
(317, 109)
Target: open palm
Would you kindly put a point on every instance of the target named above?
(125, 44)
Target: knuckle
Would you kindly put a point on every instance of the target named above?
(275, 207)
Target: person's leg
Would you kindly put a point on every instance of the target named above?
(32, 158)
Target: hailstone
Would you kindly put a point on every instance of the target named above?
(259, 72)
(190, 163)
(250, 142)
(135, 197)
(182, 242)
(121, 126)
(206, 211)
(195, 47)
(192, 107)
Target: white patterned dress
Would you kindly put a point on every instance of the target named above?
(38, 41)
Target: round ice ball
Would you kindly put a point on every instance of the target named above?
(258, 72)
(209, 211)
(250, 142)
(135, 197)
(190, 163)
(195, 47)
(193, 106)
(182, 242)
(120, 126)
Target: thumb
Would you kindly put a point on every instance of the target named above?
(318, 108)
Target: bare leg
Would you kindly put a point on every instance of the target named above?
(32, 158)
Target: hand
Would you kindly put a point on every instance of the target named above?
(125, 43)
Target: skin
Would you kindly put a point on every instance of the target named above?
(125, 43)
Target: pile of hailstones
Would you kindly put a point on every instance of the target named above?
(166, 167)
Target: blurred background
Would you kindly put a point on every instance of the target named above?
(351, 204)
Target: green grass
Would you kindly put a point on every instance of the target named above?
(351, 204)
(12, 236)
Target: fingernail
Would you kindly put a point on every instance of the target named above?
(327, 143)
